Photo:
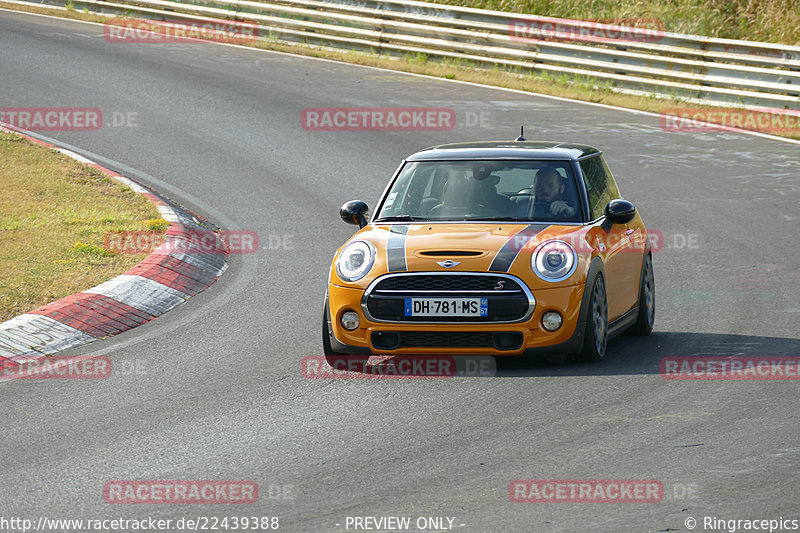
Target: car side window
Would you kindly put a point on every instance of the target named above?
(612, 185)
(600, 185)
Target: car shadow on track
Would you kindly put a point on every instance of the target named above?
(643, 355)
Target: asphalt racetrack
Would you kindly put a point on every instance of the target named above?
(213, 389)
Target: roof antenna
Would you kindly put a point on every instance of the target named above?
(521, 134)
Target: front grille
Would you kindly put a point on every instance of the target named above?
(508, 300)
(448, 282)
(451, 253)
(447, 339)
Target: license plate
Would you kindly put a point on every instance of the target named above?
(447, 307)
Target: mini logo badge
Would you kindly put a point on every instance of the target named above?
(448, 264)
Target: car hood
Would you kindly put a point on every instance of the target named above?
(468, 246)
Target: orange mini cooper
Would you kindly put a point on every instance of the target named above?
(492, 248)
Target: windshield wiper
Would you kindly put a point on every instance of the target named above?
(400, 218)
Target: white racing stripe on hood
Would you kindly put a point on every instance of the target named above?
(396, 248)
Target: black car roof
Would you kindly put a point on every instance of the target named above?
(505, 150)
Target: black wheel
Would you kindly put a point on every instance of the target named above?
(647, 301)
(326, 337)
(327, 350)
(596, 336)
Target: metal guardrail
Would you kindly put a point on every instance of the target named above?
(627, 59)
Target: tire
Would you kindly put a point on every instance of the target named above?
(647, 301)
(326, 338)
(596, 335)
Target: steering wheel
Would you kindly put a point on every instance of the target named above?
(541, 207)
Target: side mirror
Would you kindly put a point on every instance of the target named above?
(620, 211)
(354, 212)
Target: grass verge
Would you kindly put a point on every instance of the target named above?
(771, 21)
(54, 214)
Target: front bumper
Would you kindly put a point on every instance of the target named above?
(442, 338)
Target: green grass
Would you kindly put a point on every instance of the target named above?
(54, 215)
(773, 21)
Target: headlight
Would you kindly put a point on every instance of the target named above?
(554, 260)
(355, 260)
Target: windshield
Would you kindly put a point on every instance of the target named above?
(483, 190)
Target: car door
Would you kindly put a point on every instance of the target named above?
(618, 243)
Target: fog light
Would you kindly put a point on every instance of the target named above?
(551, 321)
(350, 320)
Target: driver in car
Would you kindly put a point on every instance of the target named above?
(549, 195)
